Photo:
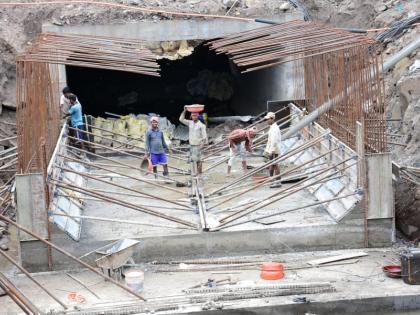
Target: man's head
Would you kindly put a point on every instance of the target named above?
(194, 117)
(66, 91)
(72, 98)
(252, 132)
(154, 121)
(270, 118)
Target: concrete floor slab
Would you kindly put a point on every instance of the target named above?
(360, 286)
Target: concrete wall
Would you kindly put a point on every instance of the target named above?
(347, 234)
(254, 89)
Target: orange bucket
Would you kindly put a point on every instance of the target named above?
(272, 271)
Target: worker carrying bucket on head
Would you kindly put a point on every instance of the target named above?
(240, 142)
(156, 147)
(273, 148)
(197, 134)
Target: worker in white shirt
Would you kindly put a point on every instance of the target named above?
(64, 101)
(273, 148)
(197, 137)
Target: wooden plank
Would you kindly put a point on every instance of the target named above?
(381, 194)
(31, 204)
(327, 260)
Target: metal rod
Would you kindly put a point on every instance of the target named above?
(123, 203)
(83, 285)
(23, 270)
(62, 251)
(17, 296)
(124, 187)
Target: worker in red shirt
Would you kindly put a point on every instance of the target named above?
(240, 141)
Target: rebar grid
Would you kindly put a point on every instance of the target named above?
(38, 90)
(331, 65)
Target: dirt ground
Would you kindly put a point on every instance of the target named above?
(19, 25)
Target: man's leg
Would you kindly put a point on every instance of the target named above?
(154, 158)
(199, 167)
(230, 161)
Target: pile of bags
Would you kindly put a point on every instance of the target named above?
(127, 131)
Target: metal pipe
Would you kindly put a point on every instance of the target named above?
(405, 52)
(64, 252)
(14, 262)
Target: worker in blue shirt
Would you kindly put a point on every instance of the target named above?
(156, 147)
(76, 117)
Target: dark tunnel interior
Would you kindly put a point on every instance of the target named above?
(200, 78)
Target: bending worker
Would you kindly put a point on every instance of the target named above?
(240, 142)
(273, 148)
(156, 146)
(197, 137)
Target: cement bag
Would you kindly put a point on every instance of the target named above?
(136, 130)
(97, 133)
(120, 133)
(107, 124)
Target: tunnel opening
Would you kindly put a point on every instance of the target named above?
(200, 78)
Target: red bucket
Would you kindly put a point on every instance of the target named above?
(272, 271)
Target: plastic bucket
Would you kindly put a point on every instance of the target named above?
(134, 279)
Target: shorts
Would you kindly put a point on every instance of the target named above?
(80, 134)
(240, 151)
(195, 153)
(159, 158)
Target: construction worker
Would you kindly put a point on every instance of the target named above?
(273, 148)
(197, 137)
(76, 117)
(64, 101)
(156, 147)
(240, 142)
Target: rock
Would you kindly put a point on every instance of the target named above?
(134, 2)
(3, 224)
(228, 3)
(381, 8)
(285, 6)
(4, 247)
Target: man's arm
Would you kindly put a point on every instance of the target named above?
(204, 134)
(165, 146)
(147, 142)
(182, 119)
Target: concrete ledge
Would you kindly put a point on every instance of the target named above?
(205, 244)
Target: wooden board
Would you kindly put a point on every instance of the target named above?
(327, 260)
(381, 194)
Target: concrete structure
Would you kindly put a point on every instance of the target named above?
(360, 286)
(252, 90)
(335, 224)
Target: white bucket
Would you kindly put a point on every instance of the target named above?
(134, 279)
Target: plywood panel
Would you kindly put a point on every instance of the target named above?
(381, 194)
(31, 208)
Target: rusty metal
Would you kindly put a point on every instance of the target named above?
(17, 296)
(38, 90)
(330, 64)
(89, 51)
(14, 262)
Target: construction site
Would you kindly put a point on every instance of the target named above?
(112, 206)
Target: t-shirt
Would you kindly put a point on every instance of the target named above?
(274, 140)
(240, 135)
(197, 131)
(76, 115)
(65, 104)
(155, 142)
